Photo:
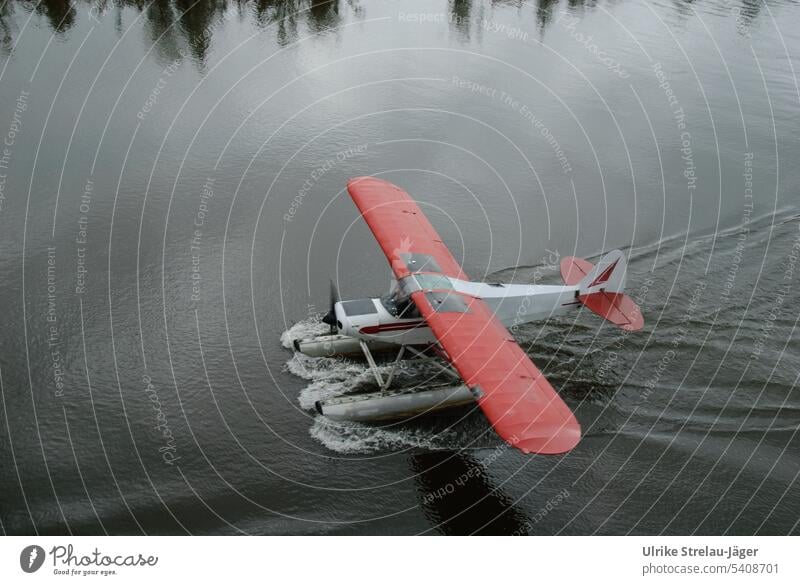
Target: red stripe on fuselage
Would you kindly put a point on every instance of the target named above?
(373, 329)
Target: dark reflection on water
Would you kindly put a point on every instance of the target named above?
(170, 21)
(60, 14)
(194, 20)
(690, 426)
(459, 497)
(467, 19)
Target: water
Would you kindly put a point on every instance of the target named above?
(173, 204)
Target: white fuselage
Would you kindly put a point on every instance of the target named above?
(390, 319)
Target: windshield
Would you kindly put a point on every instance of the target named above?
(389, 303)
(402, 308)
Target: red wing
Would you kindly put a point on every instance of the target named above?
(513, 394)
(403, 232)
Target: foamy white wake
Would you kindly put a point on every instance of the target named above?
(302, 330)
(352, 437)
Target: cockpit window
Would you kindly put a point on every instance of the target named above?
(408, 310)
(389, 303)
(402, 308)
(418, 262)
(358, 307)
(442, 302)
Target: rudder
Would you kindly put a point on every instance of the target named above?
(607, 275)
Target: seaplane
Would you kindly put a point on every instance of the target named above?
(435, 312)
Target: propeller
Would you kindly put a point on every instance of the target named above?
(330, 318)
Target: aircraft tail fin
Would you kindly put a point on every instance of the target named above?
(607, 275)
(600, 288)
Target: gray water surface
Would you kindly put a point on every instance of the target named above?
(172, 208)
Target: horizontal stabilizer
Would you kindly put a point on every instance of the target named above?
(618, 308)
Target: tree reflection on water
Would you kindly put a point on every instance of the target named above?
(171, 24)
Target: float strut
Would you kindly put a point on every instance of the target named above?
(446, 370)
(372, 365)
(394, 368)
